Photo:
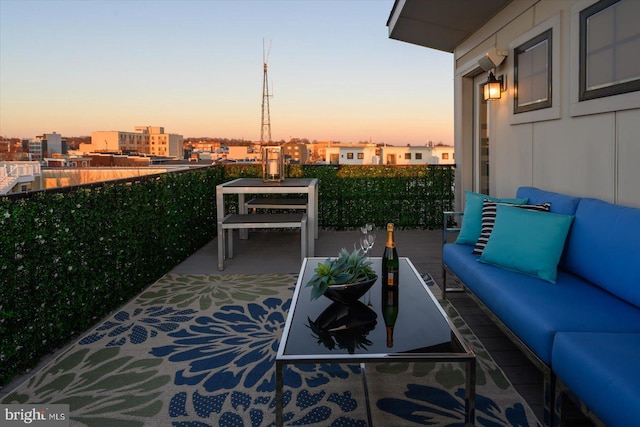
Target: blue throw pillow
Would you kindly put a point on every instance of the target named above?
(472, 218)
(489, 219)
(528, 242)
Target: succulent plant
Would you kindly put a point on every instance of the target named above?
(347, 268)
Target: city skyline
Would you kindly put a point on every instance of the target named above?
(195, 68)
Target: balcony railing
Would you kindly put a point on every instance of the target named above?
(70, 256)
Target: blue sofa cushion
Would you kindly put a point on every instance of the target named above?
(530, 242)
(535, 310)
(489, 210)
(603, 371)
(472, 218)
(604, 247)
(560, 203)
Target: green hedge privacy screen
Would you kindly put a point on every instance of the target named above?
(68, 257)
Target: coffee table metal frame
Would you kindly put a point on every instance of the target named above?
(466, 355)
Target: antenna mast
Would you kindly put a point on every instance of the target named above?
(265, 132)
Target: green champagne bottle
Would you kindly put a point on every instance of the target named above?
(390, 267)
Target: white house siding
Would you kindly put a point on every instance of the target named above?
(594, 155)
(628, 158)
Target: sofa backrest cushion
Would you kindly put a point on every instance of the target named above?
(472, 218)
(603, 247)
(560, 203)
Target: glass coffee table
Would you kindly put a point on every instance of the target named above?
(422, 333)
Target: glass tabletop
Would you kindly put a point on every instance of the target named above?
(324, 329)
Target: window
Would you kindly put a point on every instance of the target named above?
(609, 46)
(361, 156)
(418, 156)
(532, 74)
(349, 155)
(445, 156)
(407, 156)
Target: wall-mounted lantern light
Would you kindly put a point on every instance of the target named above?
(494, 87)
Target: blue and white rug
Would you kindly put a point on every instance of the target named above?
(199, 350)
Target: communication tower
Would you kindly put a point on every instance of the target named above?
(265, 132)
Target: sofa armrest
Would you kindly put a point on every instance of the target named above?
(449, 224)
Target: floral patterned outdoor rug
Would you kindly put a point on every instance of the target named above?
(199, 350)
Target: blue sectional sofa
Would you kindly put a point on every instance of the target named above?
(565, 287)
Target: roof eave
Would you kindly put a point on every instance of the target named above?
(439, 24)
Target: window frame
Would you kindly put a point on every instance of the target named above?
(545, 36)
(552, 113)
(584, 93)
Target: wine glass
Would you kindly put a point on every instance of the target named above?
(371, 234)
(367, 237)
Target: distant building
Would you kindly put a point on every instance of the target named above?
(318, 151)
(405, 155)
(371, 154)
(241, 153)
(68, 162)
(443, 155)
(45, 145)
(18, 176)
(352, 154)
(210, 146)
(296, 152)
(146, 140)
(116, 160)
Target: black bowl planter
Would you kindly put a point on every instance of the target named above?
(349, 293)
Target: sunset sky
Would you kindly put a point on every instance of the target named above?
(195, 68)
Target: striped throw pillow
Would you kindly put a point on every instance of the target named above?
(489, 219)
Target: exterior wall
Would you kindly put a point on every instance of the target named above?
(588, 149)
